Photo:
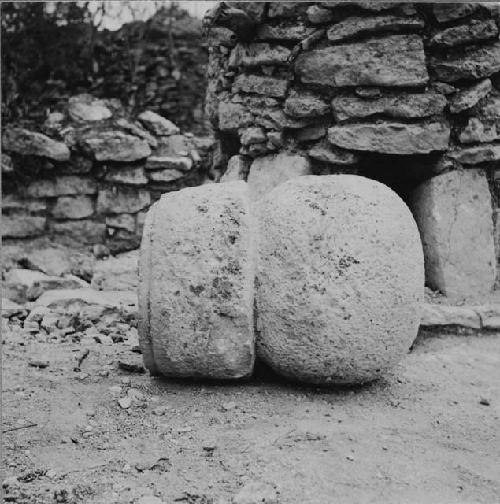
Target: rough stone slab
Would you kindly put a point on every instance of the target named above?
(267, 172)
(122, 200)
(333, 155)
(233, 116)
(117, 146)
(237, 169)
(305, 105)
(310, 133)
(281, 33)
(136, 129)
(65, 185)
(474, 31)
(285, 10)
(41, 285)
(25, 142)
(168, 175)
(444, 315)
(117, 273)
(477, 131)
(396, 60)
(453, 212)
(12, 309)
(445, 12)
(22, 226)
(249, 136)
(256, 54)
(181, 163)
(127, 175)
(73, 207)
(157, 124)
(476, 63)
(174, 145)
(340, 279)
(83, 230)
(319, 15)
(407, 105)
(270, 86)
(477, 155)
(16, 202)
(490, 316)
(391, 138)
(86, 108)
(196, 283)
(469, 97)
(357, 25)
(121, 221)
(7, 164)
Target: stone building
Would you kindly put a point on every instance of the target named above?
(408, 94)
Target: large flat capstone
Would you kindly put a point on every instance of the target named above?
(340, 279)
(396, 60)
(454, 215)
(196, 281)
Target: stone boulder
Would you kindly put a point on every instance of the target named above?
(267, 172)
(25, 142)
(196, 274)
(340, 279)
(157, 124)
(455, 218)
(116, 146)
(85, 107)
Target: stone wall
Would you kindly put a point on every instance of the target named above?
(89, 174)
(399, 92)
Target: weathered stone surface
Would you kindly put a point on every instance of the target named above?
(73, 207)
(117, 146)
(84, 230)
(305, 105)
(122, 200)
(180, 163)
(356, 25)
(333, 155)
(473, 31)
(267, 172)
(65, 185)
(22, 226)
(196, 272)
(237, 169)
(270, 86)
(477, 131)
(396, 60)
(167, 175)
(391, 138)
(489, 315)
(289, 10)
(467, 98)
(48, 283)
(137, 130)
(340, 279)
(12, 309)
(310, 133)
(445, 12)
(475, 63)
(157, 124)
(25, 142)
(127, 175)
(408, 105)
(256, 492)
(477, 155)
(255, 10)
(250, 136)
(221, 36)
(17, 282)
(16, 202)
(255, 54)
(233, 116)
(7, 164)
(121, 221)
(174, 145)
(117, 273)
(279, 32)
(444, 315)
(454, 215)
(84, 107)
(319, 15)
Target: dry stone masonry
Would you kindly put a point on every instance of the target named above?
(395, 91)
(89, 176)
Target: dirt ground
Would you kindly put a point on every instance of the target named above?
(428, 433)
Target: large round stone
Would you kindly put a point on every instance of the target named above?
(196, 283)
(340, 279)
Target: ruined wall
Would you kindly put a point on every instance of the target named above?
(88, 175)
(399, 92)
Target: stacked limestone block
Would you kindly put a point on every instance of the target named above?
(399, 92)
(90, 174)
(334, 264)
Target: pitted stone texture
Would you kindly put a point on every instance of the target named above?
(340, 279)
(267, 172)
(237, 169)
(196, 283)
(396, 60)
(25, 142)
(454, 215)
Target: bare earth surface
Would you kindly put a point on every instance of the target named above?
(428, 433)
